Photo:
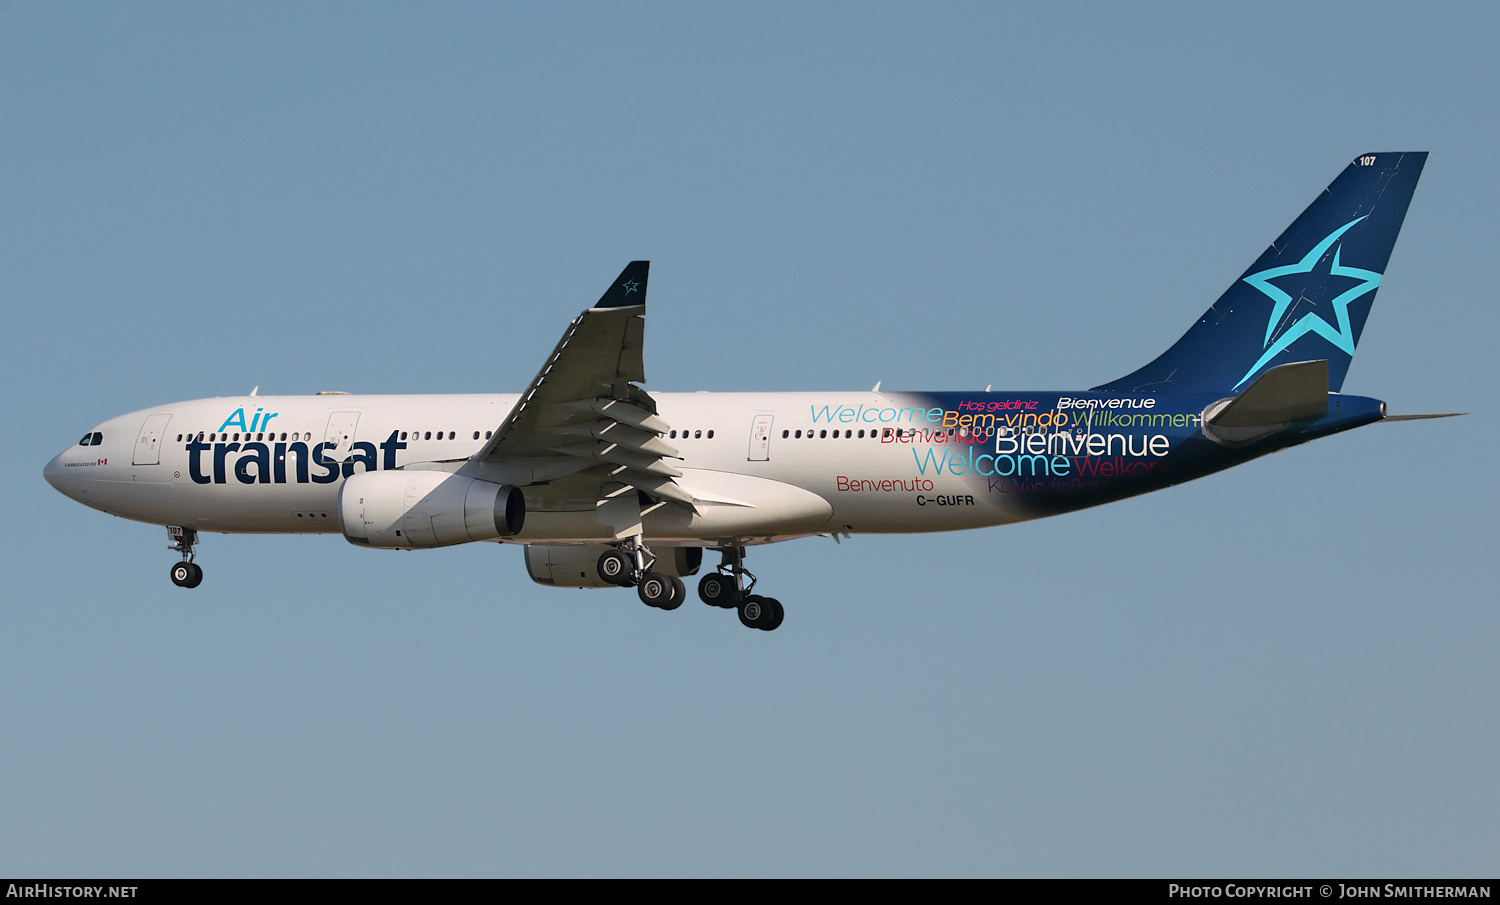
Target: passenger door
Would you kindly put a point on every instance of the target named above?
(340, 434)
(760, 438)
(148, 444)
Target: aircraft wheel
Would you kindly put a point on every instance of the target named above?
(774, 615)
(616, 568)
(754, 613)
(655, 589)
(187, 574)
(679, 593)
(717, 589)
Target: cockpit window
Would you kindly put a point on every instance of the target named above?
(98, 438)
(88, 440)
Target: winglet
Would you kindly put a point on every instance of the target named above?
(628, 289)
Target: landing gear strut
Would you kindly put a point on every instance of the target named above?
(727, 589)
(186, 574)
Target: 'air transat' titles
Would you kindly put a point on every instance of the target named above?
(266, 463)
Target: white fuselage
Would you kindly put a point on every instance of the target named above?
(766, 466)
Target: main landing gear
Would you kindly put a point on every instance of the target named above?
(629, 565)
(726, 588)
(186, 574)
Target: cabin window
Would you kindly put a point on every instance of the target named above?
(429, 436)
(697, 435)
(476, 435)
(823, 435)
(710, 435)
(487, 434)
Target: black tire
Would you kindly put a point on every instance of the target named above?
(182, 573)
(655, 589)
(717, 589)
(679, 593)
(774, 616)
(753, 611)
(616, 568)
(197, 577)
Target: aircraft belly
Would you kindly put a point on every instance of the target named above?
(139, 501)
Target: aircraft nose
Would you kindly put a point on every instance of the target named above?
(56, 475)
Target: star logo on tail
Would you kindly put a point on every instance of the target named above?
(1308, 269)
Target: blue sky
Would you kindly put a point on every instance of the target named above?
(1286, 669)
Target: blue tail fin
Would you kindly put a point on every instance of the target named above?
(1305, 298)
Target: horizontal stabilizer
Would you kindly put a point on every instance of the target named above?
(1284, 394)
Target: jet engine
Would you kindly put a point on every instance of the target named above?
(406, 509)
(572, 566)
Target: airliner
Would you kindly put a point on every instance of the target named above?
(606, 485)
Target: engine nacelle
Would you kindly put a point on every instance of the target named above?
(572, 566)
(397, 509)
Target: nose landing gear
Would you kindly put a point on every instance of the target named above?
(186, 574)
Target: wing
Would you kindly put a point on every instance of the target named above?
(583, 426)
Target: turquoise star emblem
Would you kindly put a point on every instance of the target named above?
(631, 286)
(1342, 335)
